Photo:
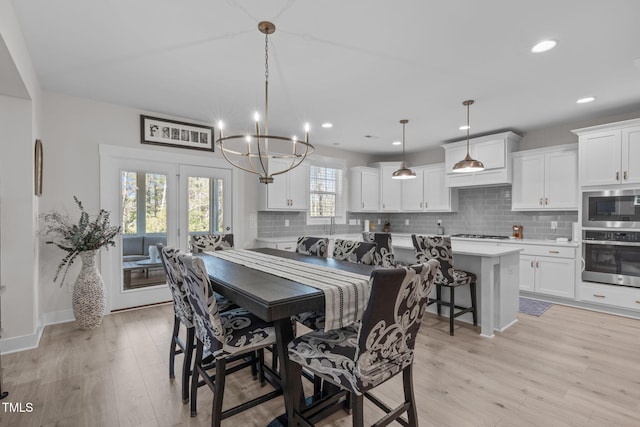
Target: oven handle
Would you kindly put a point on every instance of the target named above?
(609, 243)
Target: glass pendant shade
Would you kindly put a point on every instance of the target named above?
(468, 164)
(404, 172)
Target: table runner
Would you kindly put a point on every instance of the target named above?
(346, 294)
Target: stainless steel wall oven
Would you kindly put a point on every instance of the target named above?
(611, 257)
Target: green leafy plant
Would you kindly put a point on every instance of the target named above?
(85, 235)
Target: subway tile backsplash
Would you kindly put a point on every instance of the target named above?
(482, 210)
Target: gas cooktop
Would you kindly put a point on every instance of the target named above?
(479, 236)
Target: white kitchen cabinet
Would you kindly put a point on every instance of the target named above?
(494, 151)
(609, 153)
(390, 189)
(288, 191)
(548, 270)
(613, 295)
(285, 245)
(364, 189)
(428, 192)
(545, 179)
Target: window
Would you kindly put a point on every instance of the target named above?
(323, 191)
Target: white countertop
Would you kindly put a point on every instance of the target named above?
(399, 240)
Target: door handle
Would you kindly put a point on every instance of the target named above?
(624, 175)
(554, 252)
(541, 201)
(362, 205)
(537, 264)
(599, 296)
(617, 175)
(531, 263)
(546, 200)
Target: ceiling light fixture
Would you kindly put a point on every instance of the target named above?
(585, 100)
(404, 172)
(253, 153)
(544, 46)
(468, 164)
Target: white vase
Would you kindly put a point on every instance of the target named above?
(89, 299)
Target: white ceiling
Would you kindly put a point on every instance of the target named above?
(361, 64)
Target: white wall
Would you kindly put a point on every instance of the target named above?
(20, 116)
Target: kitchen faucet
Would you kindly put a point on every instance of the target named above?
(332, 223)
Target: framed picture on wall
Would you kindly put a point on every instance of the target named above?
(156, 131)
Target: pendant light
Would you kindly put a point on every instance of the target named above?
(404, 172)
(253, 153)
(468, 164)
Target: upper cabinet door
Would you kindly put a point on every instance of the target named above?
(528, 182)
(412, 193)
(561, 180)
(391, 189)
(278, 190)
(600, 158)
(491, 153)
(631, 155)
(299, 187)
(437, 196)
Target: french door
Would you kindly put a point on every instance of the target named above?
(156, 199)
(205, 202)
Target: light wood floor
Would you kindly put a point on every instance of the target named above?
(569, 367)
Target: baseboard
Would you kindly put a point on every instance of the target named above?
(27, 342)
(55, 317)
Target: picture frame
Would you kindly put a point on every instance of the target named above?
(38, 160)
(172, 133)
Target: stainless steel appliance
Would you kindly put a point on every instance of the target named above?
(611, 208)
(611, 257)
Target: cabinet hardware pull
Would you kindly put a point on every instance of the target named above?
(287, 248)
(617, 175)
(383, 206)
(363, 205)
(599, 296)
(537, 264)
(426, 204)
(541, 200)
(554, 252)
(546, 200)
(420, 204)
(638, 301)
(531, 263)
(624, 175)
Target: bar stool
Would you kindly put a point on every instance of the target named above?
(439, 247)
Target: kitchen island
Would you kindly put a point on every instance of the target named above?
(496, 267)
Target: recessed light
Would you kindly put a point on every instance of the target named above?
(544, 46)
(585, 100)
(464, 127)
(396, 142)
(327, 125)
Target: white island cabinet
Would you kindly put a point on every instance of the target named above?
(497, 271)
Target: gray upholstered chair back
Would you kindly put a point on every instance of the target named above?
(181, 306)
(211, 242)
(316, 246)
(384, 251)
(436, 247)
(355, 251)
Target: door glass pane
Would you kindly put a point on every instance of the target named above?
(129, 181)
(205, 205)
(144, 221)
(156, 203)
(199, 204)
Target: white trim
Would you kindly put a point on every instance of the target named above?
(55, 317)
(25, 342)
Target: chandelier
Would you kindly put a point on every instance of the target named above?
(404, 172)
(260, 153)
(468, 164)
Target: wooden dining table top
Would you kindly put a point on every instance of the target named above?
(266, 295)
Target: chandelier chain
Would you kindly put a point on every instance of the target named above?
(266, 56)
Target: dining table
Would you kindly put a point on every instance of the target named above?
(275, 299)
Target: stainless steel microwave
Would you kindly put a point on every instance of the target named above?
(611, 209)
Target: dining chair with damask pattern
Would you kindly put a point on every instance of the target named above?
(355, 251)
(357, 359)
(182, 316)
(233, 335)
